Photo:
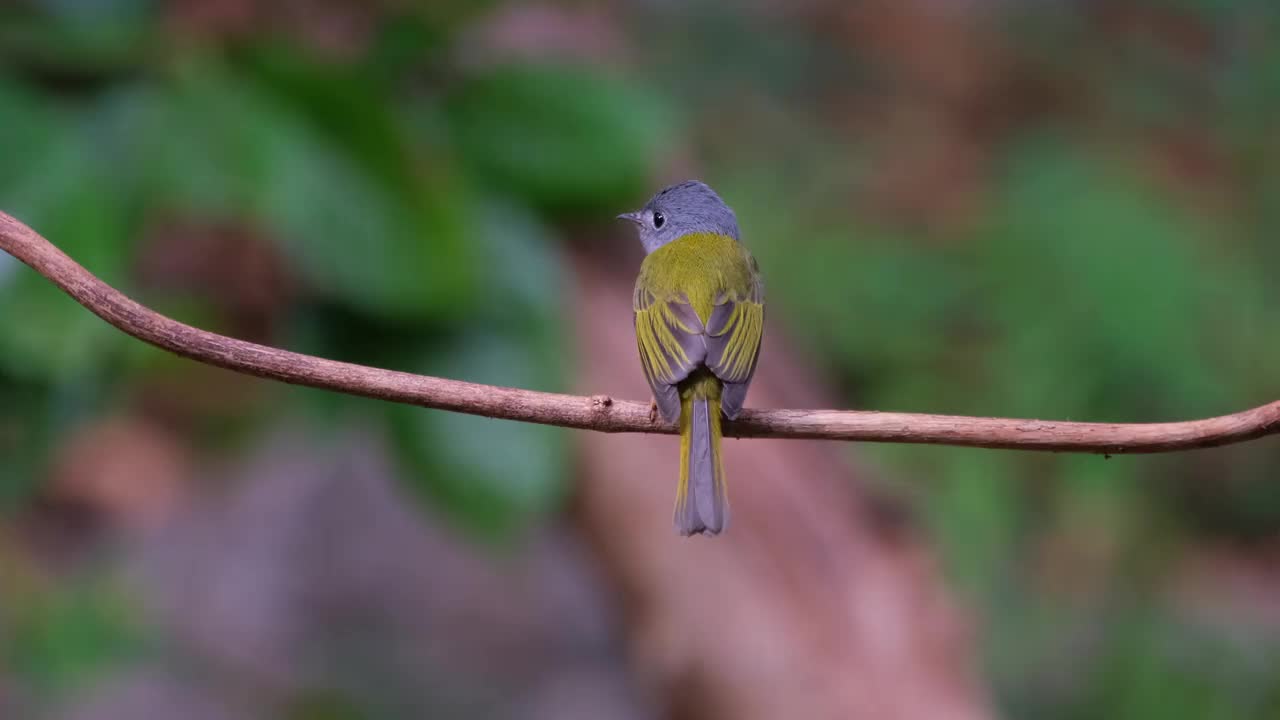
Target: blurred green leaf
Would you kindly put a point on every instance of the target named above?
(393, 250)
(973, 514)
(558, 136)
(494, 475)
(25, 430)
(66, 193)
(524, 277)
(489, 475)
(82, 42)
(1098, 290)
(890, 315)
(31, 125)
(60, 639)
(1167, 669)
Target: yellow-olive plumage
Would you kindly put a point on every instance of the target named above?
(699, 315)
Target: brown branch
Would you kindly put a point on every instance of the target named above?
(600, 412)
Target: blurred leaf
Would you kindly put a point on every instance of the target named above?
(345, 108)
(52, 350)
(524, 273)
(76, 41)
(25, 430)
(31, 128)
(889, 314)
(1099, 296)
(381, 248)
(493, 475)
(973, 512)
(489, 475)
(61, 638)
(68, 195)
(558, 136)
(1163, 668)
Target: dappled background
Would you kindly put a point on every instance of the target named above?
(1062, 210)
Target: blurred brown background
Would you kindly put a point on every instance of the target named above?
(1037, 209)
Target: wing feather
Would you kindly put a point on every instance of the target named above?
(733, 335)
(672, 343)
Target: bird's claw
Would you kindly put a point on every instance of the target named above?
(653, 410)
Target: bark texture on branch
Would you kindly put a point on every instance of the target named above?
(600, 412)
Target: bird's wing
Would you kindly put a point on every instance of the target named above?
(671, 340)
(733, 334)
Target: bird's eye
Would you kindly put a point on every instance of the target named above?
(658, 220)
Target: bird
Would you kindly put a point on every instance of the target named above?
(699, 320)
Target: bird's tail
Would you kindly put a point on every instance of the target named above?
(702, 502)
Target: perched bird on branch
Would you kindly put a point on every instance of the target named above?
(699, 315)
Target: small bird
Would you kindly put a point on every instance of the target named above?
(699, 315)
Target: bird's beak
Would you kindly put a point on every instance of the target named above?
(631, 217)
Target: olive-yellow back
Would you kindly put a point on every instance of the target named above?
(701, 267)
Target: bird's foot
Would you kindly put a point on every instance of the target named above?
(653, 410)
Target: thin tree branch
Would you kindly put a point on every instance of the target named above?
(600, 412)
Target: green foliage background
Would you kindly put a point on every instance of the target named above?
(416, 199)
